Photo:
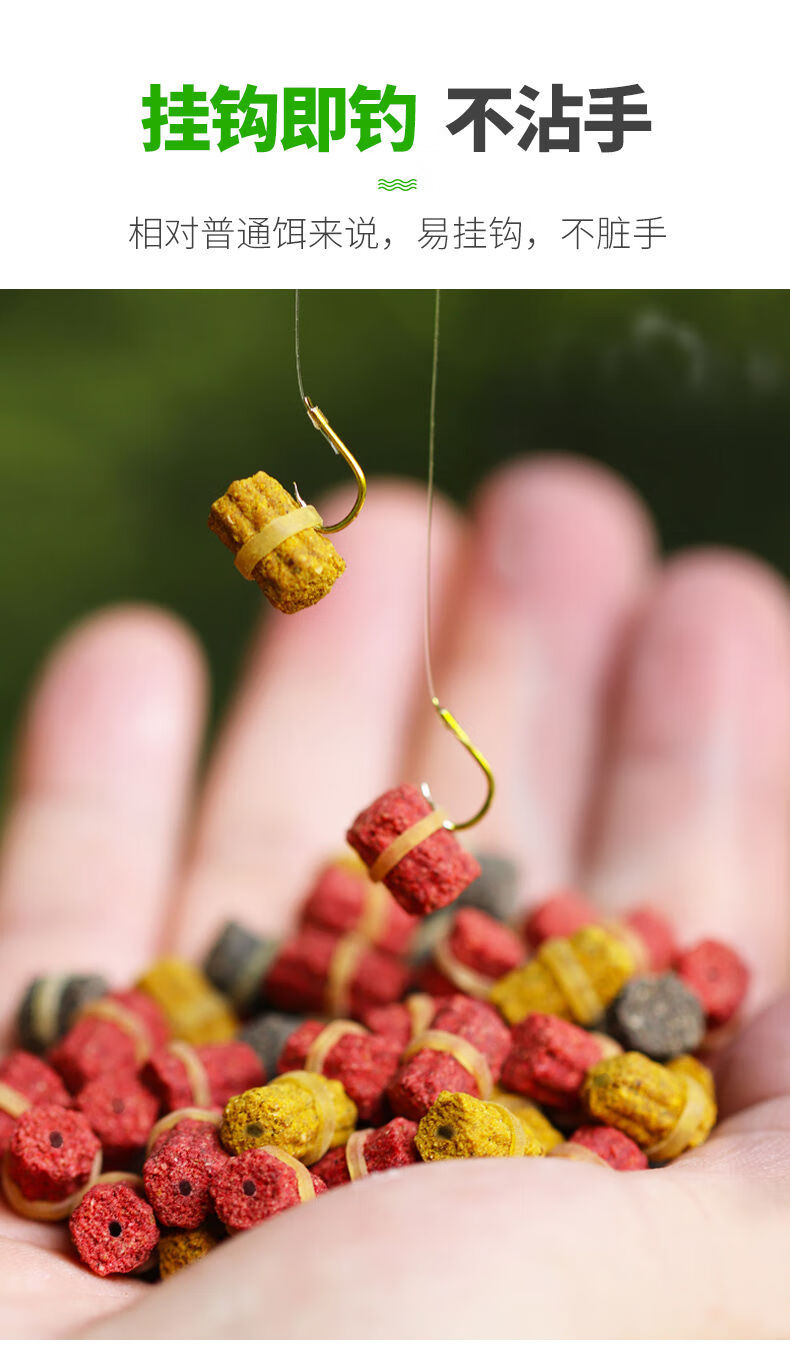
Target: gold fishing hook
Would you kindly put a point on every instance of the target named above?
(445, 715)
(320, 422)
(479, 758)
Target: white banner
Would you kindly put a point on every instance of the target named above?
(690, 193)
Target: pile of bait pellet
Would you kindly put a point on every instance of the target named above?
(158, 1120)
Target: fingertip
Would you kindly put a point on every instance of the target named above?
(729, 585)
(122, 685)
(563, 486)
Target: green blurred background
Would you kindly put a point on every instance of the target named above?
(124, 414)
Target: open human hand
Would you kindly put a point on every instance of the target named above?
(637, 716)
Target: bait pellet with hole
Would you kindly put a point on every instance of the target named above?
(51, 1153)
(177, 1173)
(255, 1185)
(24, 1075)
(458, 1126)
(302, 1113)
(113, 1229)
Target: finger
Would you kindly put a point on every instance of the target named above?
(559, 553)
(317, 729)
(696, 812)
(755, 1068)
(442, 1251)
(45, 1295)
(104, 778)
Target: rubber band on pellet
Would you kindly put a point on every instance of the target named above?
(566, 970)
(107, 1010)
(272, 536)
(318, 1089)
(328, 1038)
(46, 1210)
(694, 1110)
(411, 838)
(340, 976)
(12, 1102)
(463, 977)
(172, 1119)
(355, 1154)
(467, 1055)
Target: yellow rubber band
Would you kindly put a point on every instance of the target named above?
(463, 977)
(12, 1101)
(560, 960)
(607, 1045)
(375, 910)
(328, 1037)
(569, 1150)
(473, 1061)
(632, 940)
(355, 1154)
(518, 1134)
(172, 1119)
(340, 975)
(421, 1008)
(195, 1071)
(110, 1011)
(47, 994)
(318, 1088)
(304, 1178)
(405, 842)
(43, 1210)
(273, 535)
(513, 1101)
(694, 1109)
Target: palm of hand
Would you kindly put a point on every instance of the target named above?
(637, 719)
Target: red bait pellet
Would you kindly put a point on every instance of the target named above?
(181, 1075)
(121, 1112)
(718, 977)
(614, 1147)
(345, 900)
(657, 934)
(362, 1061)
(25, 1081)
(463, 1051)
(52, 1153)
(474, 953)
(372, 1151)
(118, 1031)
(549, 1058)
(405, 1021)
(179, 1170)
(259, 1183)
(113, 1229)
(427, 874)
(559, 916)
(320, 972)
